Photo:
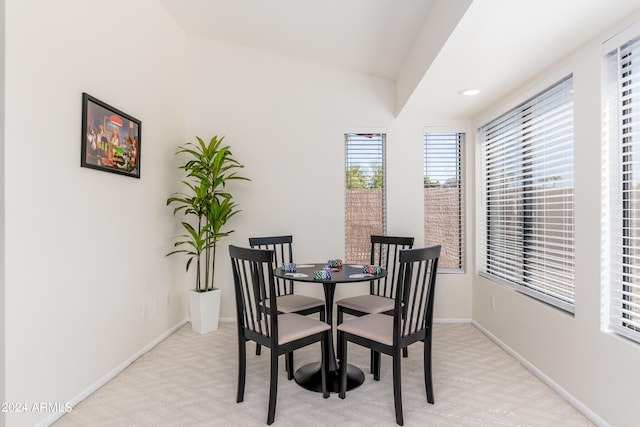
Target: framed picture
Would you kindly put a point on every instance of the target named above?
(110, 138)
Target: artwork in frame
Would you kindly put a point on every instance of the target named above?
(110, 138)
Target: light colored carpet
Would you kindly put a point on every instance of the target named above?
(190, 380)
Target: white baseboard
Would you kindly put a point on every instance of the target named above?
(584, 409)
(110, 375)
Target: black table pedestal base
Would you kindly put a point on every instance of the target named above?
(309, 377)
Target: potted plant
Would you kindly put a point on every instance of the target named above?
(205, 207)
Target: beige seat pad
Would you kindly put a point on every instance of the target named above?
(376, 327)
(367, 303)
(293, 326)
(292, 303)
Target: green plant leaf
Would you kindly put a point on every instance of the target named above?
(205, 206)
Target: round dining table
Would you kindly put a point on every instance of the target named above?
(308, 376)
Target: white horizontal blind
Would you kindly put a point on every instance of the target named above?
(624, 286)
(443, 208)
(365, 193)
(527, 189)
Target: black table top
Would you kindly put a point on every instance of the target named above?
(348, 273)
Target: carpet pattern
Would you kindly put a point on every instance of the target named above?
(190, 380)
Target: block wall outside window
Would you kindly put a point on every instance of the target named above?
(443, 197)
(365, 202)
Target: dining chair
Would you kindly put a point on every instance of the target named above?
(288, 301)
(411, 322)
(384, 252)
(282, 333)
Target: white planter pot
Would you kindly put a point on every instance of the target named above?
(205, 310)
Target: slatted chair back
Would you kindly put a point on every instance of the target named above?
(254, 283)
(282, 247)
(385, 253)
(258, 321)
(413, 312)
(411, 322)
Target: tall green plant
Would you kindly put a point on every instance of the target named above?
(205, 205)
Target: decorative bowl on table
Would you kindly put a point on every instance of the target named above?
(288, 267)
(335, 264)
(323, 274)
(372, 269)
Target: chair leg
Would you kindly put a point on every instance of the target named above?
(324, 362)
(342, 340)
(428, 383)
(397, 388)
(273, 387)
(258, 349)
(242, 368)
(339, 342)
(376, 365)
(405, 352)
(289, 365)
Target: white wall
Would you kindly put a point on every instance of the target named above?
(598, 370)
(285, 120)
(85, 249)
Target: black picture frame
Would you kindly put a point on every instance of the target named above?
(111, 139)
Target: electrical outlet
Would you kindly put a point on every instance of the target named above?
(144, 311)
(493, 302)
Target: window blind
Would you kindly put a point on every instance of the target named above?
(623, 77)
(443, 207)
(527, 239)
(365, 193)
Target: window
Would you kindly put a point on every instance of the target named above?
(443, 213)
(365, 193)
(527, 208)
(621, 208)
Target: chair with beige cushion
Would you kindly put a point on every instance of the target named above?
(384, 252)
(411, 322)
(288, 301)
(264, 324)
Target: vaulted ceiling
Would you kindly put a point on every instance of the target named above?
(431, 49)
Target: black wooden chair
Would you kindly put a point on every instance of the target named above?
(384, 252)
(288, 301)
(411, 322)
(281, 332)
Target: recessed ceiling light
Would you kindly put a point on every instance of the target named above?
(469, 92)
